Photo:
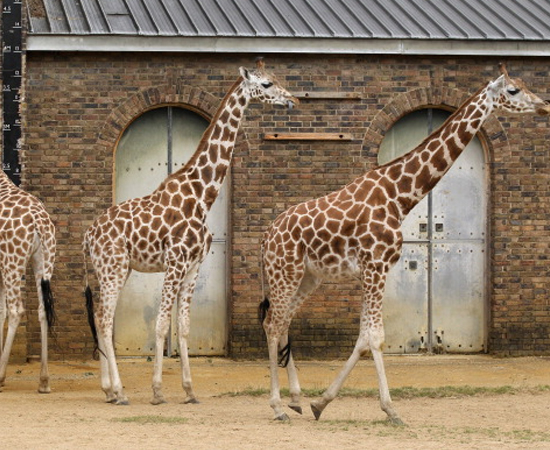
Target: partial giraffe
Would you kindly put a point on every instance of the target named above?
(26, 233)
(355, 232)
(166, 232)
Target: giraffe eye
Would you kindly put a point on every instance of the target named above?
(267, 85)
(513, 91)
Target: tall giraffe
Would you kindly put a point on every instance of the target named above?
(355, 232)
(26, 232)
(166, 232)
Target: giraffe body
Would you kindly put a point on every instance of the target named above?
(26, 234)
(355, 232)
(166, 232)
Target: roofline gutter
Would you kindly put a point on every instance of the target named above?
(357, 46)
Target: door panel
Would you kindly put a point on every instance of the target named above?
(459, 312)
(405, 305)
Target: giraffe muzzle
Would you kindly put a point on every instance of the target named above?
(545, 110)
(292, 102)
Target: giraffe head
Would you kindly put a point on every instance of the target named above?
(264, 87)
(513, 96)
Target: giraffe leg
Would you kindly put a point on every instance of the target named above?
(173, 281)
(2, 314)
(371, 336)
(44, 383)
(275, 399)
(104, 318)
(15, 310)
(184, 302)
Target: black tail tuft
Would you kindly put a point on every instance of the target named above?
(49, 302)
(284, 355)
(262, 310)
(91, 321)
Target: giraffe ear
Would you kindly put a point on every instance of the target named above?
(498, 84)
(244, 73)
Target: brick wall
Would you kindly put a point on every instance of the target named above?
(78, 104)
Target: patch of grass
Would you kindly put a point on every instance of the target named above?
(146, 420)
(406, 392)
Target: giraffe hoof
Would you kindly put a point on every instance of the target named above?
(191, 401)
(122, 402)
(396, 421)
(158, 401)
(282, 418)
(44, 390)
(295, 407)
(317, 411)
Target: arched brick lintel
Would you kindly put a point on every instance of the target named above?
(185, 96)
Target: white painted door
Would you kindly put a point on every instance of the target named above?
(155, 144)
(435, 295)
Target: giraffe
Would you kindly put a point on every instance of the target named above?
(166, 232)
(26, 233)
(355, 233)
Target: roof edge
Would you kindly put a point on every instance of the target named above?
(180, 44)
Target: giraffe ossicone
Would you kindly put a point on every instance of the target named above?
(355, 233)
(28, 234)
(166, 232)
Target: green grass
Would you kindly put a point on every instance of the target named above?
(406, 392)
(147, 420)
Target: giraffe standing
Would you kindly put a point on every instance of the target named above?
(166, 232)
(355, 232)
(26, 232)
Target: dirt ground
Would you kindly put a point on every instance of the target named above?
(74, 415)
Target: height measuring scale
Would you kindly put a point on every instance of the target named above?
(12, 52)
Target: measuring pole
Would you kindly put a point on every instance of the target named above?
(12, 56)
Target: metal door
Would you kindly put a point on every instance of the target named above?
(435, 295)
(157, 143)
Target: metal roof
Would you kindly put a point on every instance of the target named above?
(511, 21)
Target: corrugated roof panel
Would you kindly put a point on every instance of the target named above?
(234, 17)
(257, 21)
(218, 19)
(378, 19)
(118, 17)
(179, 18)
(141, 16)
(94, 16)
(75, 17)
(277, 22)
(319, 18)
(161, 19)
(201, 23)
(468, 29)
(371, 17)
(344, 15)
(56, 16)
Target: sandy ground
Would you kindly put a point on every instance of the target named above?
(74, 415)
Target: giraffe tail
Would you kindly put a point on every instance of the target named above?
(49, 302)
(90, 301)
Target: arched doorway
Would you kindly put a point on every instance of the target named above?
(435, 297)
(155, 144)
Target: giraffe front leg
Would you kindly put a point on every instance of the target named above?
(376, 342)
(184, 327)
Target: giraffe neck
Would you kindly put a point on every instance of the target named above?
(205, 171)
(5, 183)
(416, 173)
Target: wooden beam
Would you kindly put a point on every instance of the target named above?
(324, 95)
(308, 137)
